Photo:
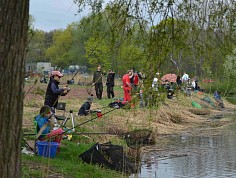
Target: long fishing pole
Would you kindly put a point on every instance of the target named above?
(81, 124)
(93, 118)
(77, 72)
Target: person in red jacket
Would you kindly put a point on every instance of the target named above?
(127, 86)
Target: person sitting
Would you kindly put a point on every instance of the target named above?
(45, 126)
(85, 108)
(218, 99)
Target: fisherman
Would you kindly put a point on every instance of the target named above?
(85, 108)
(97, 82)
(127, 86)
(45, 125)
(53, 91)
(110, 83)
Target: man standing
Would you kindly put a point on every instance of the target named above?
(127, 86)
(53, 91)
(185, 78)
(97, 81)
(110, 83)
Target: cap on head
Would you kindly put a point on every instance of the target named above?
(55, 72)
(89, 99)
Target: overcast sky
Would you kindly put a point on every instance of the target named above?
(53, 14)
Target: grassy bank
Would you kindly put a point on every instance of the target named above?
(172, 116)
(66, 164)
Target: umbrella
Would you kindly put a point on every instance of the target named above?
(169, 77)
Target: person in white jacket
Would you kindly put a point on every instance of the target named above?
(185, 77)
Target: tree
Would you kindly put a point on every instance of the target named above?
(14, 15)
(97, 52)
(36, 47)
(59, 52)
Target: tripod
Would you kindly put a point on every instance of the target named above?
(65, 119)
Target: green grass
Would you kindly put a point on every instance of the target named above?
(66, 164)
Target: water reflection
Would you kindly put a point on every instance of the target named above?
(188, 156)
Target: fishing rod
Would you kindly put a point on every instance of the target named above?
(93, 118)
(90, 85)
(70, 129)
(29, 90)
(31, 134)
(95, 110)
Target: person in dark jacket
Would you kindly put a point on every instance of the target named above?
(178, 81)
(53, 91)
(110, 83)
(97, 81)
(85, 108)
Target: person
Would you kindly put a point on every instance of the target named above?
(85, 108)
(178, 81)
(155, 84)
(194, 84)
(53, 91)
(97, 81)
(155, 81)
(142, 102)
(110, 84)
(127, 85)
(131, 77)
(188, 87)
(185, 77)
(136, 76)
(45, 125)
(218, 100)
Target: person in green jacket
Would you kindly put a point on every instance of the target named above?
(97, 82)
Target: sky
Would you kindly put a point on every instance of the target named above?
(54, 14)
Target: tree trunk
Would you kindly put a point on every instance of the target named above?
(14, 16)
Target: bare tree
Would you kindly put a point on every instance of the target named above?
(14, 16)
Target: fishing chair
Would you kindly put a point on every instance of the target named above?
(63, 118)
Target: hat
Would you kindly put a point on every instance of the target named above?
(55, 72)
(89, 99)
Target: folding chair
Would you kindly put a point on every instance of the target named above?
(63, 118)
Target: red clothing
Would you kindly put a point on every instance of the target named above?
(126, 80)
(126, 87)
(56, 134)
(135, 79)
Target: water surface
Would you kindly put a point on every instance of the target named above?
(185, 156)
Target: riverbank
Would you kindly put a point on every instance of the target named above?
(171, 117)
(174, 116)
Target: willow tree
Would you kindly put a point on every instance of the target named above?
(14, 16)
(211, 25)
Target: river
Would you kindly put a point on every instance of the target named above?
(184, 156)
(232, 98)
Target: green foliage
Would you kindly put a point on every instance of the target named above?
(59, 52)
(164, 36)
(230, 65)
(36, 47)
(97, 52)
